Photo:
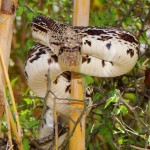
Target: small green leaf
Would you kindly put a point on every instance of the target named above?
(89, 79)
(113, 99)
(33, 123)
(28, 101)
(131, 96)
(117, 111)
(29, 43)
(30, 16)
(26, 144)
(124, 109)
(120, 141)
(24, 112)
(19, 11)
(13, 82)
(96, 96)
(91, 147)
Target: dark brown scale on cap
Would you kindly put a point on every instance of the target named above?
(131, 52)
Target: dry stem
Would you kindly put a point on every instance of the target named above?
(11, 93)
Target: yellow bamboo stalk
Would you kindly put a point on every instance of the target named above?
(56, 126)
(6, 29)
(8, 125)
(12, 123)
(77, 140)
(11, 92)
(14, 130)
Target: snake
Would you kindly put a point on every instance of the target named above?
(61, 49)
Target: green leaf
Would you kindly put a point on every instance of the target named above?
(28, 101)
(117, 111)
(26, 144)
(131, 96)
(24, 112)
(91, 147)
(29, 43)
(32, 123)
(96, 96)
(113, 99)
(120, 141)
(30, 16)
(14, 81)
(19, 11)
(124, 109)
(89, 79)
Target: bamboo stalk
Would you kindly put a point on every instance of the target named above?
(12, 123)
(77, 140)
(56, 125)
(11, 92)
(8, 126)
(6, 31)
(14, 130)
(7, 15)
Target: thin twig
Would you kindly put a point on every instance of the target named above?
(132, 109)
(128, 131)
(26, 5)
(138, 148)
(11, 148)
(46, 95)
